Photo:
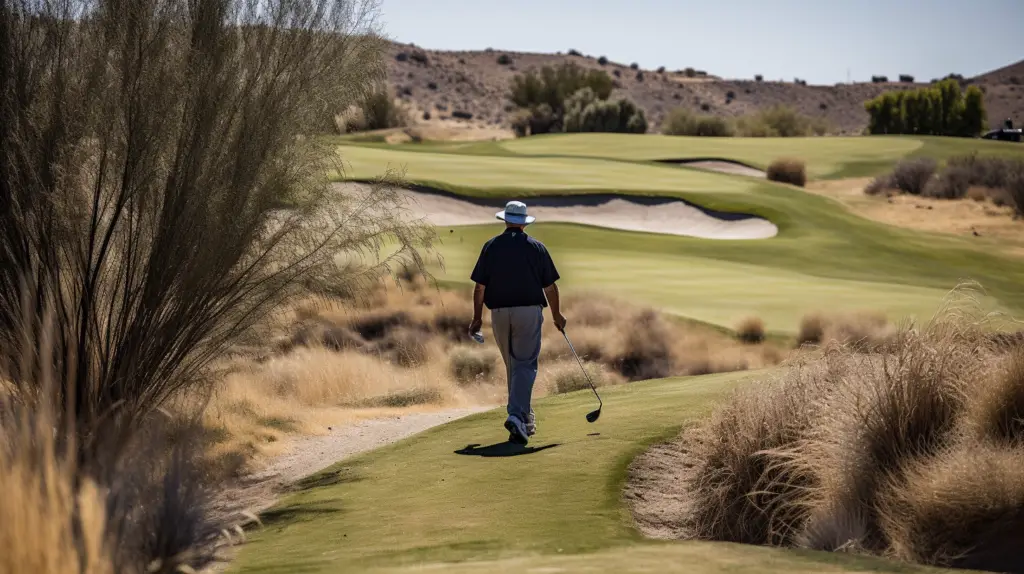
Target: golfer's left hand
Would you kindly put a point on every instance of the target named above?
(560, 322)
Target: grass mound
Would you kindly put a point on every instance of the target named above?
(911, 450)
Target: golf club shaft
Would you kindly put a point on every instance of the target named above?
(585, 374)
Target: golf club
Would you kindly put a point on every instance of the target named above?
(591, 416)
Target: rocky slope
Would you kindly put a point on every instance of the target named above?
(471, 87)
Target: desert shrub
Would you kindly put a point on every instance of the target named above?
(812, 329)
(420, 57)
(573, 52)
(996, 411)
(504, 60)
(661, 69)
(737, 492)
(570, 378)
(758, 78)
(788, 170)
(602, 61)
(469, 365)
(906, 78)
(879, 79)
(584, 112)
(978, 194)
(639, 76)
(634, 66)
(960, 510)
(682, 122)
(950, 183)
(646, 353)
(847, 451)
(402, 56)
(750, 330)
(375, 112)
(779, 121)
(182, 205)
(912, 175)
(880, 185)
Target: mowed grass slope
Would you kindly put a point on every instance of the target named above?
(434, 499)
(824, 257)
(826, 157)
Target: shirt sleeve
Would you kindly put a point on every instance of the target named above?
(548, 272)
(481, 272)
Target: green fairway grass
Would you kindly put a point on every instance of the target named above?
(421, 505)
(826, 157)
(824, 258)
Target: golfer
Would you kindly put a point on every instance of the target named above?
(515, 277)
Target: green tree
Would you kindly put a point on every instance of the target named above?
(974, 116)
(554, 85)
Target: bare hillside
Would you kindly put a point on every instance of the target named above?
(471, 86)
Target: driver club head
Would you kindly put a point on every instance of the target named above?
(592, 415)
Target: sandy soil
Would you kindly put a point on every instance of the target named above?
(654, 492)
(982, 220)
(667, 216)
(727, 167)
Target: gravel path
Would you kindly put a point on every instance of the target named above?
(307, 455)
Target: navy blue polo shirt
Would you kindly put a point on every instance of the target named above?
(516, 269)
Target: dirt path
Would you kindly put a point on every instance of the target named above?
(307, 455)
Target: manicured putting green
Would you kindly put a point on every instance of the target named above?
(436, 502)
(533, 175)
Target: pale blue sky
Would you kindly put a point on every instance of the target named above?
(817, 40)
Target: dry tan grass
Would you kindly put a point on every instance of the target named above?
(407, 348)
(910, 451)
(865, 330)
(985, 221)
(51, 523)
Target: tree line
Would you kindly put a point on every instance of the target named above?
(942, 109)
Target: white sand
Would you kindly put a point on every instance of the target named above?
(726, 167)
(622, 212)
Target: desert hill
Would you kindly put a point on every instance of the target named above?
(470, 87)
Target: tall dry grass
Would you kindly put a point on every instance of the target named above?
(910, 451)
(406, 347)
(160, 197)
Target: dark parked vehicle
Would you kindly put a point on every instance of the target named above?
(1006, 133)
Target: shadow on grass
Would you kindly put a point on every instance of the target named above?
(297, 513)
(325, 478)
(502, 449)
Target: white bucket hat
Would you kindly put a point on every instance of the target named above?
(515, 212)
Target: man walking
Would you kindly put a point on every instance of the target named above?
(515, 277)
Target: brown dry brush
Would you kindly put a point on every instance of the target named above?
(911, 450)
(161, 196)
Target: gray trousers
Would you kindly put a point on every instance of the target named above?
(517, 333)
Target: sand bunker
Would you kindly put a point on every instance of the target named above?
(719, 165)
(630, 213)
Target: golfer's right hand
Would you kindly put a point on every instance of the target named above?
(560, 322)
(475, 326)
